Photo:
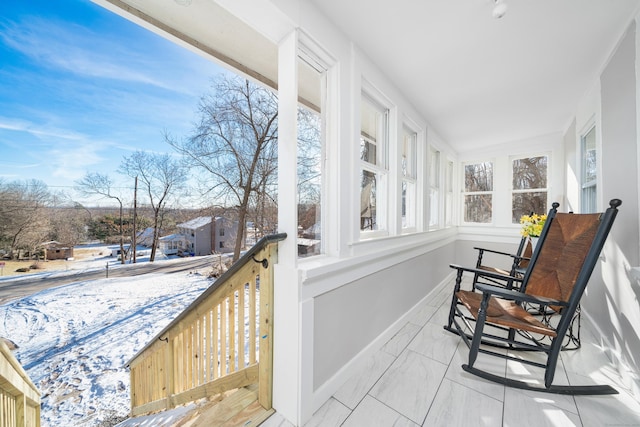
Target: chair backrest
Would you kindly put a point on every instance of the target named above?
(566, 254)
(525, 250)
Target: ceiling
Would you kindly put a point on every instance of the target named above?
(479, 80)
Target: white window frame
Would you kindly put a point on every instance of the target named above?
(588, 205)
(465, 193)
(529, 190)
(378, 167)
(321, 62)
(408, 172)
(435, 179)
(449, 174)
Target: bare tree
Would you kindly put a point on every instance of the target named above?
(68, 220)
(160, 176)
(235, 142)
(101, 185)
(23, 224)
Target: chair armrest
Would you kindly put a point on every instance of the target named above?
(486, 273)
(517, 295)
(494, 252)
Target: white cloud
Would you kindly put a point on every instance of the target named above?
(21, 125)
(76, 49)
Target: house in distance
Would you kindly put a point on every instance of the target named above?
(203, 235)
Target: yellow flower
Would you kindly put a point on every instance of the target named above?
(532, 225)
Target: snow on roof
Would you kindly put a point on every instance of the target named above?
(50, 243)
(307, 242)
(196, 223)
(147, 232)
(171, 237)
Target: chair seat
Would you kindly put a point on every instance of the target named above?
(505, 313)
(494, 270)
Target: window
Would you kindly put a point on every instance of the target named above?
(434, 188)
(589, 172)
(312, 71)
(448, 202)
(529, 186)
(478, 192)
(373, 167)
(408, 170)
(309, 178)
(221, 232)
(221, 245)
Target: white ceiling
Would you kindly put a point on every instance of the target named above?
(483, 81)
(478, 80)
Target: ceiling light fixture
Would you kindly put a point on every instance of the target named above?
(499, 8)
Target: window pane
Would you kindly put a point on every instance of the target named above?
(408, 205)
(368, 201)
(404, 202)
(372, 132)
(478, 177)
(408, 171)
(309, 183)
(589, 156)
(589, 199)
(477, 208)
(373, 165)
(367, 150)
(448, 206)
(526, 203)
(309, 163)
(530, 173)
(589, 172)
(434, 189)
(433, 207)
(408, 154)
(434, 169)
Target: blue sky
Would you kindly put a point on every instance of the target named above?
(81, 87)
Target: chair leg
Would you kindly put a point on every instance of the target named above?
(477, 335)
(454, 299)
(552, 361)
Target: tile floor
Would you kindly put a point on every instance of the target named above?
(416, 379)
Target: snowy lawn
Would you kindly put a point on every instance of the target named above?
(75, 340)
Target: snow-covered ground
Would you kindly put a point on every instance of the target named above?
(75, 340)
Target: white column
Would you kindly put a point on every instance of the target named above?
(286, 361)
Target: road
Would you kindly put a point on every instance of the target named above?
(22, 287)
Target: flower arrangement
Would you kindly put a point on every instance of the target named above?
(532, 225)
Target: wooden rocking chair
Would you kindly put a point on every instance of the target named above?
(521, 261)
(561, 266)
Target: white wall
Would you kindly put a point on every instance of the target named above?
(611, 300)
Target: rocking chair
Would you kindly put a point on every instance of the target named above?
(561, 266)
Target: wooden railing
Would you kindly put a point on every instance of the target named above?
(221, 342)
(19, 397)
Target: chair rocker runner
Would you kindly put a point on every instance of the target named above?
(561, 266)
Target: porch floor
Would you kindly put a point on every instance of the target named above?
(416, 379)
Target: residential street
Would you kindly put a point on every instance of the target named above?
(11, 289)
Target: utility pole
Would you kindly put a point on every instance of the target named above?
(135, 215)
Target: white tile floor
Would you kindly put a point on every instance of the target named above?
(416, 379)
